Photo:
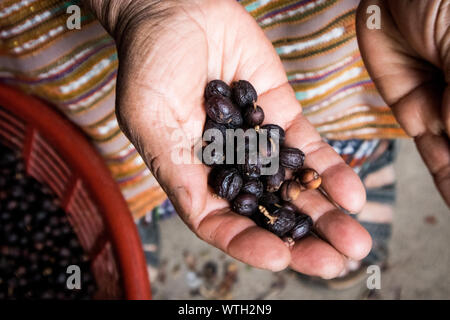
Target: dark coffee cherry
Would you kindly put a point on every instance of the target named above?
(226, 182)
(64, 252)
(269, 199)
(221, 110)
(245, 204)
(214, 125)
(11, 205)
(292, 158)
(236, 121)
(53, 221)
(212, 157)
(217, 88)
(5, 216)
(280, 222)
(248, 170)
(258, 219)
(50, 205)
(41, 216)
(274, 182)
(254, 187)
(66, 230)
(12, 238)
(30, 197)
(17, 191)
(303, 226)
(275, 133)
(243, 93)
(290, 206)
(253, 115)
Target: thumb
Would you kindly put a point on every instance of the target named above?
(167, 146)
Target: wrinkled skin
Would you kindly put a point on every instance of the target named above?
(160, 89)
(409, 61)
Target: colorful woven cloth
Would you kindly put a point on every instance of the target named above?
(316, 41)
(75, 70)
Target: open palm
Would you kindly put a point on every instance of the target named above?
(162, 75)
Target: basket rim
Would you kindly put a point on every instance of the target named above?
(96, 176)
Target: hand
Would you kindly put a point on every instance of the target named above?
(409, 61)
(167, 53)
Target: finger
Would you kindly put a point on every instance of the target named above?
(343, 232)
(435, 151)
(339, 180)
(315, 257)
(419, 111)
(239, 237)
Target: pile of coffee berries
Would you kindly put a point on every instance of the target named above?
(266, 199)
(37, 243)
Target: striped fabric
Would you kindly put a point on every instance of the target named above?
(316, 41)
(75, 70)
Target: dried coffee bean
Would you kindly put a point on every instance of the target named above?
(254, 187)
(258, 219)
(275, 133)
(303, 226)
(210, 125)
(221, 110)
(226, 182)
(29, 246)
(249, 170)
(217, 88)
(17, 191)
(243, 93)
(212, 157)
(309, 178)
(290, 206)
(236, 120)
(290, 190)
(274, 182)
(291, 158)
(253, 115)
(269, 199)
(280, 222)
(268, 151)
(239, 180)
(245, 204)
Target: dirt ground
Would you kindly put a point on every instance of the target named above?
(419, 263)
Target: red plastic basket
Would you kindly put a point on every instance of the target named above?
(60, 156)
